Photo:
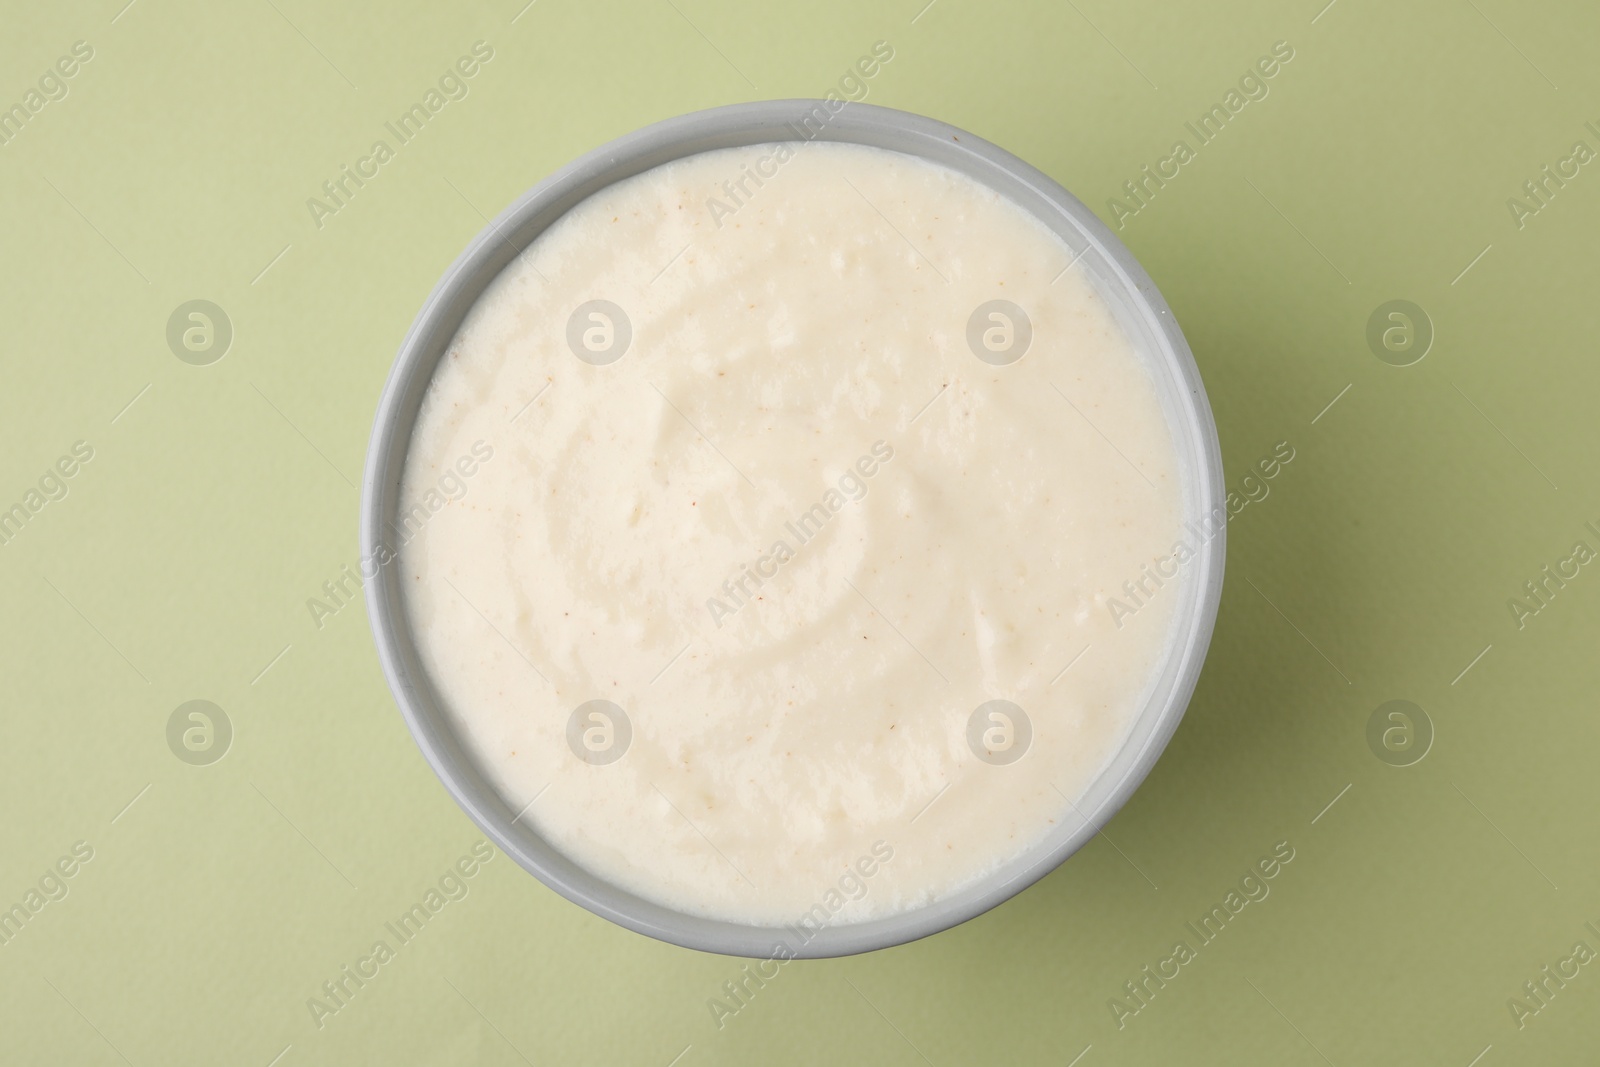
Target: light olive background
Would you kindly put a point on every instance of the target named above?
(1380, 565)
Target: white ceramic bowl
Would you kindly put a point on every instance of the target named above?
(1117, 276)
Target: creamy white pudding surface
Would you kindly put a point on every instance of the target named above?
(769, 502)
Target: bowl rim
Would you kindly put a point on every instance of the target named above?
(738, 125)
